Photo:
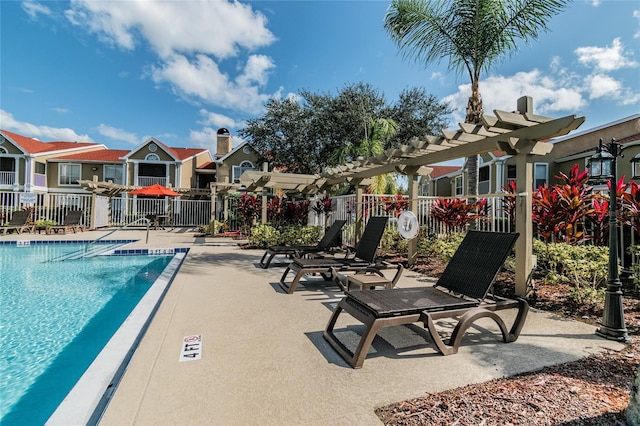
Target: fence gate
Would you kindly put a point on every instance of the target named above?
(102, 212)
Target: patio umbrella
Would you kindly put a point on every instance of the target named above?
(155, 190)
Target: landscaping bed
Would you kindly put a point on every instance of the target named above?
(591, 391)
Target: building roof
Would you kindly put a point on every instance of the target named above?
(103, 155)
(439, 171)
(34, 146)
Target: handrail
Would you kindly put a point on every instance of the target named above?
(147, 221)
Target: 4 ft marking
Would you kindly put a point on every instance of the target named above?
(191, 348)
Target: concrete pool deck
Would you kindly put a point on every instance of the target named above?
(264, 360)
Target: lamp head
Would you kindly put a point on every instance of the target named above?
(601, 165)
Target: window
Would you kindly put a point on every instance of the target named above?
(511, 173)
(459, 185)
(483, 174)
(69, 174)
(41, 168)
(152, 157)
(540, 172)
(238, 170)
(113, 173)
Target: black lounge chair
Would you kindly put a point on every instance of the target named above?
(19, 222)
(461, 292)
(364, 257)
(71, 221)
(327, 241)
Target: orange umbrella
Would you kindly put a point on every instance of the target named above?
(155, 190)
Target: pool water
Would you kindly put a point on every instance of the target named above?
(56, 316)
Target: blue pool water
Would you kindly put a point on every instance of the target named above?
(56, 316)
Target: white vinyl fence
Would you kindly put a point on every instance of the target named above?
(45, 206)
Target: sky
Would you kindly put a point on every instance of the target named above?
(119, 72)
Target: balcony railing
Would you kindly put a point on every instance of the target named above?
(40, 179)
(150, 180)
(7, 178)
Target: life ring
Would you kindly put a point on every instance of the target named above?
(408, 227)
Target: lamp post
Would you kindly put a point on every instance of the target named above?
(602, 167)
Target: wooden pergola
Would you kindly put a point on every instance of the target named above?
(519, 133)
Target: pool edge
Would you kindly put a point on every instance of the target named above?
(86, 401)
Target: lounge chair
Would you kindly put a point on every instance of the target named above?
(461, 292)
(327, 241)
(71, 221)
(20, 221)
(364, 257)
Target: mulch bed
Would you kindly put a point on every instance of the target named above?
(594, 390)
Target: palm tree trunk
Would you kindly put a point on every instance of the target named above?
(474, 116)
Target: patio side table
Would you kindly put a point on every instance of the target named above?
(367, 281)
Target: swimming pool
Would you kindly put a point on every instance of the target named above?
(58, 313)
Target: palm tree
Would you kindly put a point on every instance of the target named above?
(472, 34)
(378, 132)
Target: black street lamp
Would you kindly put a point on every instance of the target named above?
(602, 167)
(635, 166)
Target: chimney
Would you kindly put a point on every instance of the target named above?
(223, 146)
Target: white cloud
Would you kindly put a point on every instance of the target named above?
(33, 9)
(189, 38)
(500, 92)
(43, 133)
(605, 58)
(603, 85)
(201, 78)
(60, 110)
(211, 27)
(636, 14)
(120, 135)
(218, 120)
(212, 121)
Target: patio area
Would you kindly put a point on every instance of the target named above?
(264, 360)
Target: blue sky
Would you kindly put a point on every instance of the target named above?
(118, 72)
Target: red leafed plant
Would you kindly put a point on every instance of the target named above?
(298, 212)
(630, 206)
(456, 213)
(323, 205)
(509, 203)
(395, 204)
(248, 209)
(559, 210)
(275, 210)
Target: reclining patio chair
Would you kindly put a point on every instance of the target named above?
(364, 257)
(20, 221)
(461, 292)
(71, 221)
(327, 241)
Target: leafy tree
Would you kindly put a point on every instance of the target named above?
(472, 34)
(417, 113)
(307, 133)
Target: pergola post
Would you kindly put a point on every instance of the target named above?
(413, 206)
(265, 168)
(359, 211)
(212, 222)
(524, 224)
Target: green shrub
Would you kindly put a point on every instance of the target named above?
(218, 227)
(584, 267)
(300, 235)
(635, 267)
(577, 265)
(263, 236)
(45, 223)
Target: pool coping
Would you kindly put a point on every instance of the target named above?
(86, 401)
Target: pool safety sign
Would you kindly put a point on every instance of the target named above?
(191, 348)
